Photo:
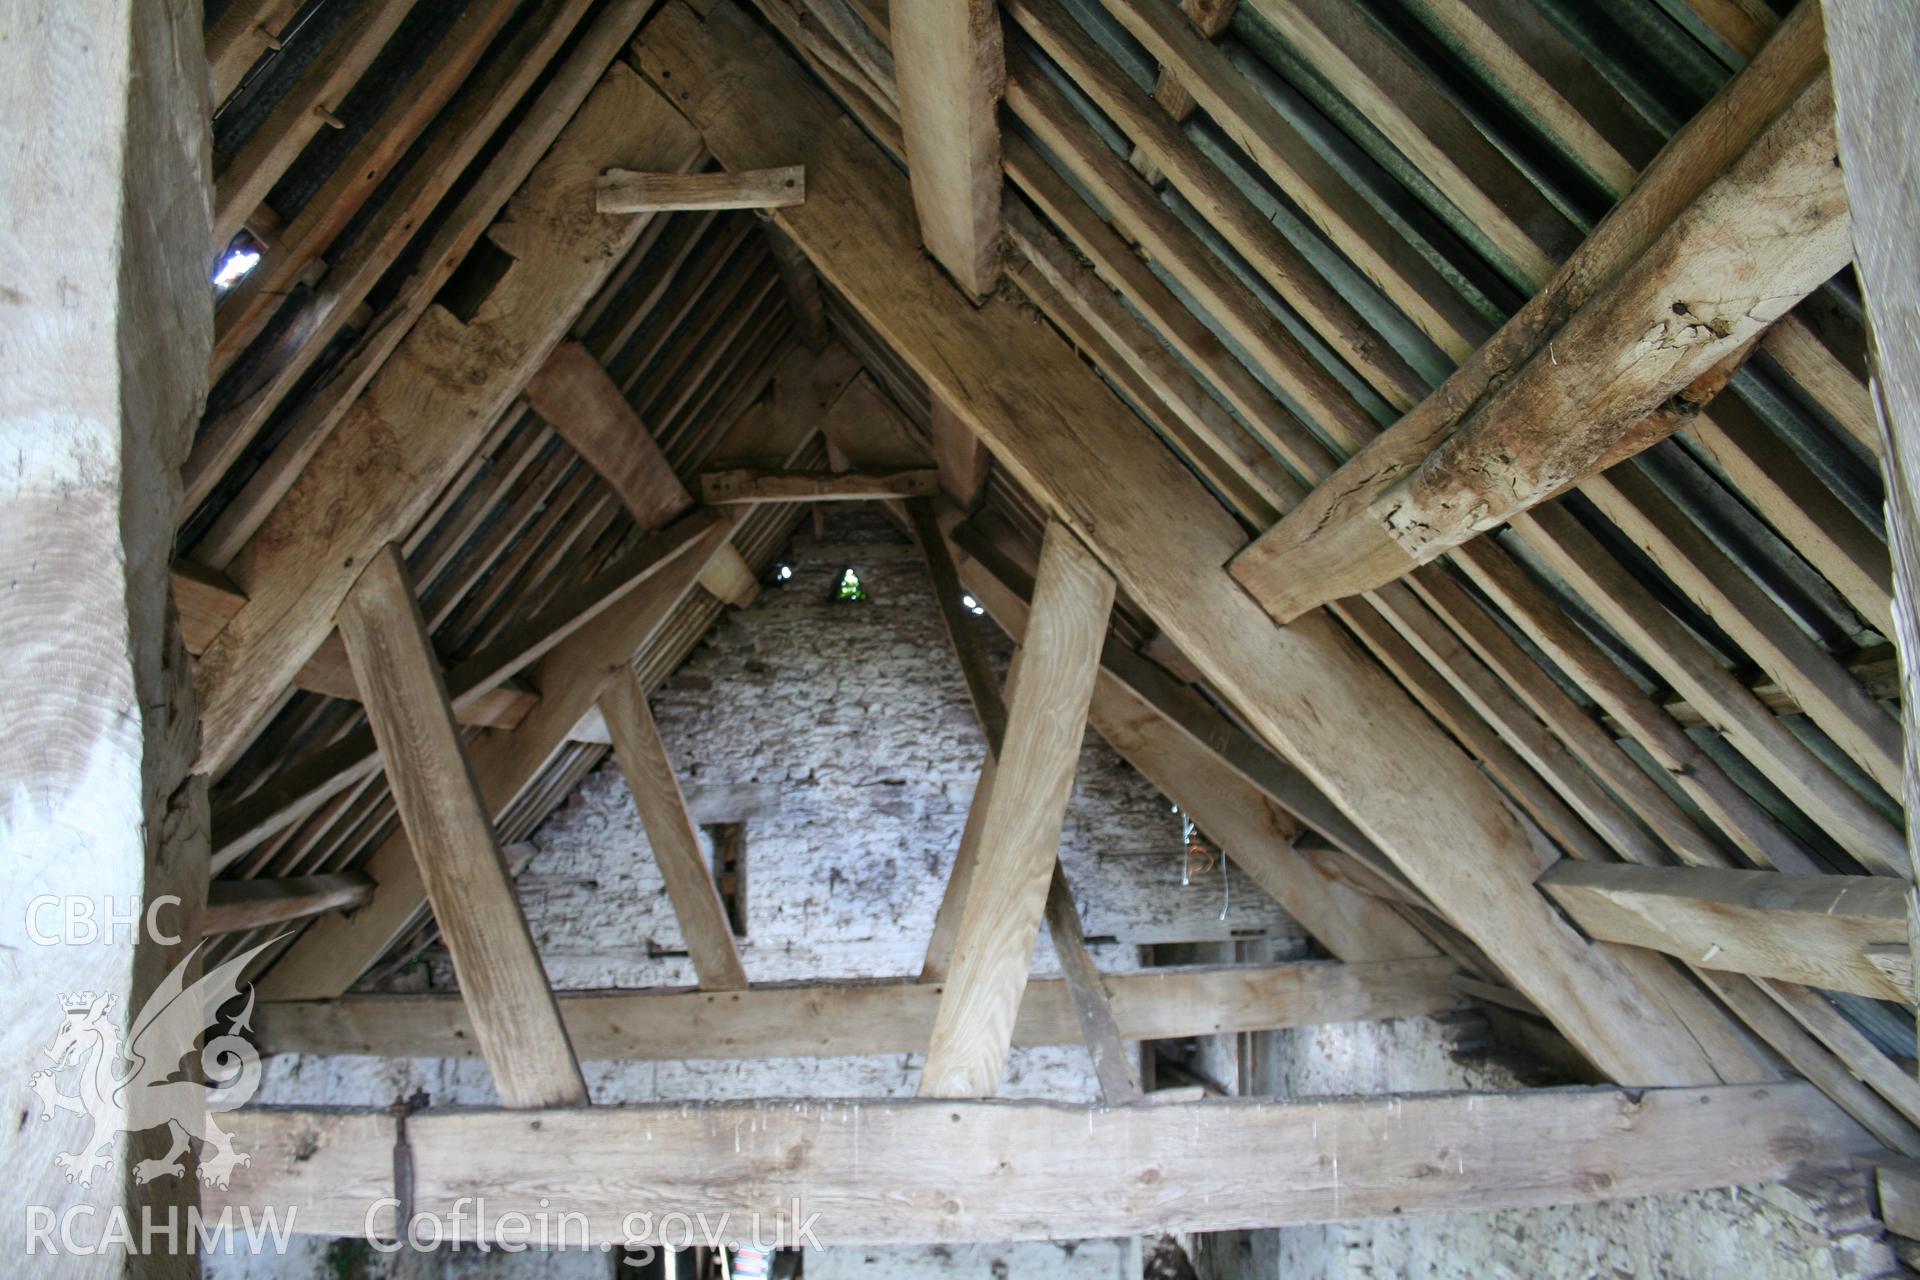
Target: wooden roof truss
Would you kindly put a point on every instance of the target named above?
(1440, 461)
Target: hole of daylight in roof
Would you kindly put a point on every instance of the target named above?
(782, 572)
(971, 605)
(847, 587)
(242, 256)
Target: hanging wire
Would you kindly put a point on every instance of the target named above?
(1226, 888)
(1195, 856)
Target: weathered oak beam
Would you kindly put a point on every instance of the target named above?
(326, 959)
(962, 460)
(1092, 1003)
(854, 1018)
(336, 950)
(1048, 690)
(983, 686)
(573, 392)
(676, 847)
(1771, 229)
(752, 484)
(234, 906)
(207, 600)
(952, 70)
(802, 285)
(104, 342)
(450, 829)
(624, 191)
(1064, 436)
(489, 97)
(1237, 792)
(1036, 1170)
(1813, 930)
(1814, 1061)
(1899, 1186)
(1874, 83)
(1112, 1065)
(501, 703)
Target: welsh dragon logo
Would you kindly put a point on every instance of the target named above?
(141, 1085)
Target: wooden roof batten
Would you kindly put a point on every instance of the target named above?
(443, 513)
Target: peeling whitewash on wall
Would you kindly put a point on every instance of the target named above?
(856, 715)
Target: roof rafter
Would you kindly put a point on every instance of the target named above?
(1064, 436)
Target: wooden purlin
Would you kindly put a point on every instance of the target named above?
(440, 550)
(759, 537)
(1627, 362)
(1444, 632)
(485, 104)
(1796, 764)
(1237, 791)
(333, 952)
(1248, 801)
(1811, 930)
(361, 484)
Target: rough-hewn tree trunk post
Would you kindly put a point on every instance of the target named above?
(106, 322)
(1875, 87)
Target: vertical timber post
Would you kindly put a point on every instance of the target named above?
(106, 325)
(1876, 87)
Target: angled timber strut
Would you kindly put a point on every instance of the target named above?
(1048, 690)
(453, 842)
(1460, 453)
(1127, 495)
(1118, 1078)
(676, 846)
